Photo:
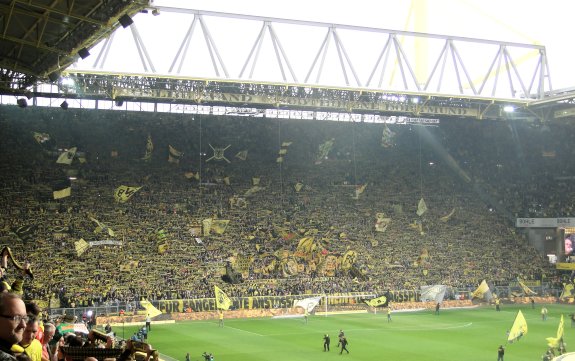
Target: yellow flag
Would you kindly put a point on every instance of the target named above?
(62, 193)
(447, 216)
(41, 137)
(526, 290)
(162, 248)
(219, 225)
(518, 329)
(359, 190)
(298, 186)
(380, 301)
(174, 152)
(123, 193)
(255, 181)
(81, 246)
(481, 290)
(151, 310)
(567, 290)
(223, 302)
(174, 155)
(421, 207)
(67, 156)
(554, 341)
(102, 227)
(207, 226)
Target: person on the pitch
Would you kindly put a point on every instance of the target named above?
(326, 342)
(343, 343)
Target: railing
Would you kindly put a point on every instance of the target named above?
(208, 304)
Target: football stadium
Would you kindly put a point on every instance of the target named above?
(257, 187)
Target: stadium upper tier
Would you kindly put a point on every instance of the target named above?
(136, 203)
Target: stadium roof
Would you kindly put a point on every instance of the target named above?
(41, 36)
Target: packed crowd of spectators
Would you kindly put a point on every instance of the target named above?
(474, 177)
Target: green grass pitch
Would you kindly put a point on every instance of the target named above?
(455, 334)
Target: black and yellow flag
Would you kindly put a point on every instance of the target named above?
(81, 246)
(41, 137)
(223, 302)
(67, 156)
(123, 193)
(62, 190)
(381, 301)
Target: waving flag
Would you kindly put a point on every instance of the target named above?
(482, 291)
(123, 193)
(102, 227)
(67, 156)
(434, 293)
(307, 304)
(223, 302)
(41, 137)
(174, 155)
(152, 311)
(421, 207)
(555, 341)
(447, 216)
(526, 290)
(381, 301)
(518, 329)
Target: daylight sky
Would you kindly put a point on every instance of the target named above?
(523, 21)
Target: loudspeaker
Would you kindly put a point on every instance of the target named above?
(22, 103)
(125, 20)
(84, 53)
(54, 76)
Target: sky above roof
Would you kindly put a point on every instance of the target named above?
(521, 21)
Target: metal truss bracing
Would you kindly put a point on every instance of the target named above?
(333, 55)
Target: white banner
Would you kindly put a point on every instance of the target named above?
(545, 222)
(106, 242)
(307, 303)
(434, 293)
